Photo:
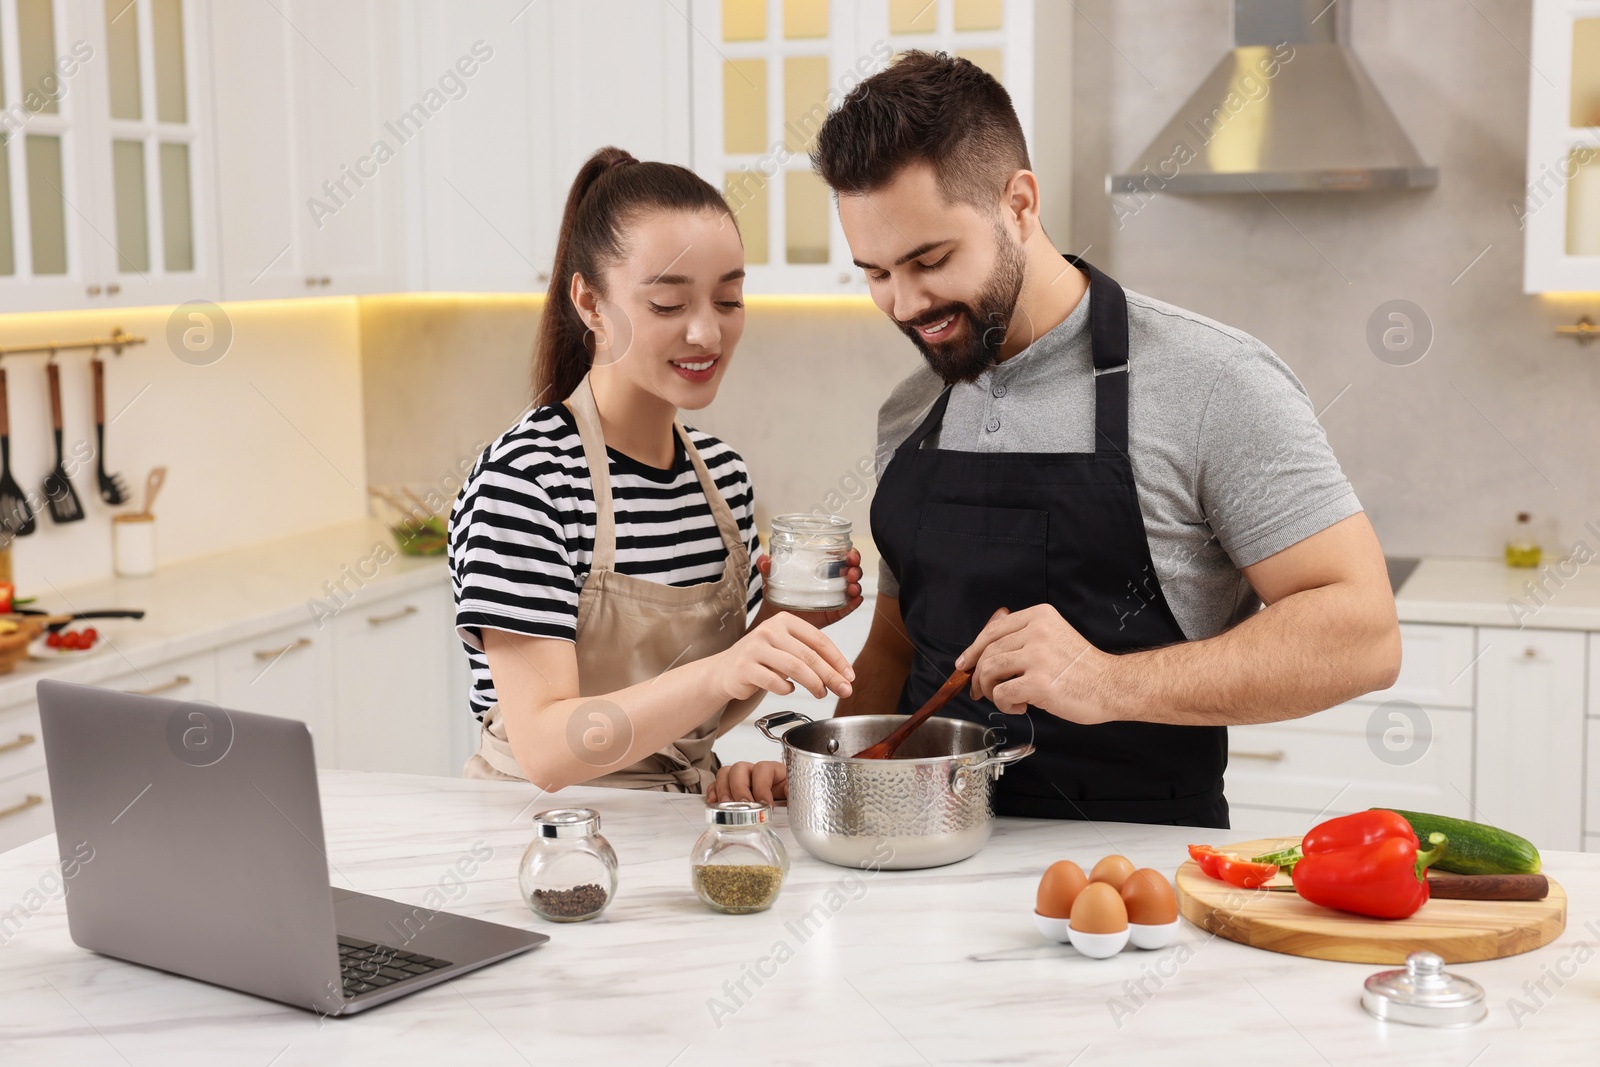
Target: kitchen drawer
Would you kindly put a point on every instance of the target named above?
(21, 742)
(25, 809)
(1434, 662)
(286, 672)
(1326, 762)
(189, 678)
(1591, 781)
(1591, 843)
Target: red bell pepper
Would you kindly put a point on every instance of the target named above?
(1368, 864)
(1231, 868)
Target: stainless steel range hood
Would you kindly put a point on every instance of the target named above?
(1291, 108)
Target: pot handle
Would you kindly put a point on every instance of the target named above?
(1000, 760)
(961, 774)
(780, 719)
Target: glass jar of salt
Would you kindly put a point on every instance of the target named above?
(569, 872)
(808, 562)
(738, 865)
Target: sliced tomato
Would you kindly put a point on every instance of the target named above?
(1232, 868)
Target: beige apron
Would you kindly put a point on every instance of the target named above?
(632, 629)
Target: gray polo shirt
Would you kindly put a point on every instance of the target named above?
(1229, 460)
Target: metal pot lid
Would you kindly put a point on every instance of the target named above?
(737, 813)
(567, 822)
(1423, 994)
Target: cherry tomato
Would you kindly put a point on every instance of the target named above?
(91, 635)
(53, 640)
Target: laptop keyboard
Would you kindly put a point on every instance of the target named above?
(366, 966)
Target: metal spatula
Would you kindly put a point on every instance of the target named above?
(885, 749)
(63, 499)
(15, 513)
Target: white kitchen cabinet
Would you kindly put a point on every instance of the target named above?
(311, 140)
(1559, 210)
(105, 182)
(25, 812)
(24, 796)
(495, 163)
(391, 685)
(1530, 734)
(1350, 758)
(286, 672)
(482, 225)
(1435, 667)
(766, 74)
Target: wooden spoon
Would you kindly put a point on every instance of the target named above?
(885, 749)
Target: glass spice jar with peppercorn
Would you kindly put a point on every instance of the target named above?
(569, 871)
(738, 865)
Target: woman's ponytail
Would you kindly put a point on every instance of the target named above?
(611, 189)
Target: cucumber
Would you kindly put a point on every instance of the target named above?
(1474, 847)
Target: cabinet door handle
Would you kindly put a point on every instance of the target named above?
(324, 280)
(32, 800)
(1275, 756)
(274, 653)
(113, 289)
(22, 741)
(177, 682)
(379, 620)
(94, 290)
(1530, 653)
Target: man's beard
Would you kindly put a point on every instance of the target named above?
(986, 321)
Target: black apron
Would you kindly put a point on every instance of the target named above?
(970, 532)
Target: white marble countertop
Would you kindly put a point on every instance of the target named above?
(199, 603)
(903, 967)
(1562, 595)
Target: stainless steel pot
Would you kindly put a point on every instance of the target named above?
(928, 806)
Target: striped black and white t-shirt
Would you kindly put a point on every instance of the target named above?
(522, 531)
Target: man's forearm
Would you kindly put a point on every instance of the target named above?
(1305, 653)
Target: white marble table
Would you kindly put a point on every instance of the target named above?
(914, 967)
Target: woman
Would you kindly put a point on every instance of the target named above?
(601, 551)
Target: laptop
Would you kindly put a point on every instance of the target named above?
(191, 841)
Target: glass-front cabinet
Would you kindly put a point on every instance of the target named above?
(1559, 211)
(102, 153)
(767, 73)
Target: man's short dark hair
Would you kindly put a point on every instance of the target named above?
(926, 107)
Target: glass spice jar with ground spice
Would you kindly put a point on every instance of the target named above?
(569, 872)
(738, 865)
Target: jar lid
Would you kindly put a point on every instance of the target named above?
(1423, 994)
(567, 822)
(812, 524)
(737, 813)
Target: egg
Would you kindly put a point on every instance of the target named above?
(1062, 882)
(1149, 898)
(1113, 870)
(1099, 910)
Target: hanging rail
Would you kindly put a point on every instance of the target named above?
(116, 342)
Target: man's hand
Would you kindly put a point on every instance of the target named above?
(1035, 657)
(766, 781)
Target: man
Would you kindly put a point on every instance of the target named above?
(1086, 496)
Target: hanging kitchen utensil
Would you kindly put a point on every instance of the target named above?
(58, 491)
(112, 488)
(885, 749)
(152, 485)
(15, 513)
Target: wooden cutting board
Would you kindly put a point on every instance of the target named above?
(1460, 931)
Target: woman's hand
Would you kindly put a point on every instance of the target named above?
(778, 654)
(766, 781)
(852, 592)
